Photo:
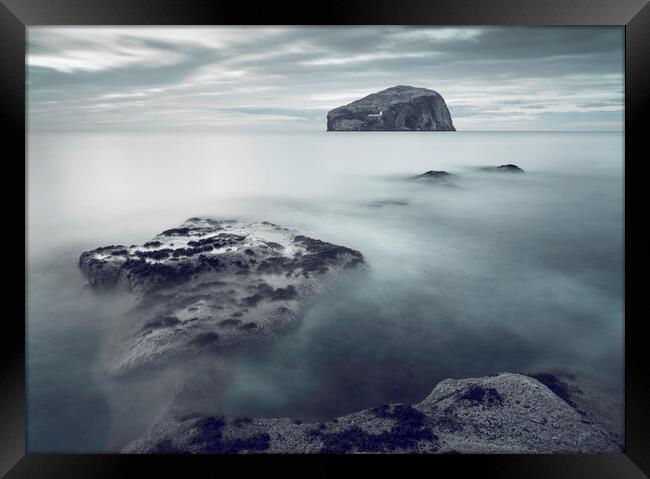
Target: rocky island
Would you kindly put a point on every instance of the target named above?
(209, 286)
(399, 108)
(546, 412)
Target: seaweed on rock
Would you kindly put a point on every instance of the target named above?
(409, 429)
(557, 386)
(210, 439)
(478, 395)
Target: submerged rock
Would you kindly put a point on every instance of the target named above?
(383, 203)
(210, 286)
(400, 108)
(504, 413)
(503, 169)
(436, 177)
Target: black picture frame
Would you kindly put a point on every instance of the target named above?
(634, 15)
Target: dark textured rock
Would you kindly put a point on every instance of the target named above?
(165, 322)
(503, 169)
(399, 108)
(502, 413)
(384, 203)
(432, 174)
(191, 282)
(436, 178)
(557, 385)
(477, 395)
(210, 439)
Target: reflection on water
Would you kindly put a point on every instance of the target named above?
(502, 273)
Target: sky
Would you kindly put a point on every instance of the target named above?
(287, 78)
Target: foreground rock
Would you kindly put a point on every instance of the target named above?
(400, 108)
(503, 169)
(504, 413)
(437, 178)
(211, 286)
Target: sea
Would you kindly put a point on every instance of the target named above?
(498, 273)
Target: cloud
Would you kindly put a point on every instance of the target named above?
(96, 78)
(74, 60)
(368, 57)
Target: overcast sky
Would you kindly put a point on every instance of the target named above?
(195, 78)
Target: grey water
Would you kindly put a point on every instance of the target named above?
(504, 272)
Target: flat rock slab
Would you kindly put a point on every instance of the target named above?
(211, 286)
(504, 413)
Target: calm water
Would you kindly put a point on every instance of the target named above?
(503, 273)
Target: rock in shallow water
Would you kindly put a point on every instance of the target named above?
(437, 178)
(503, 169)
(504, 413)
(211, 286)
(384, 203)
(399, 108)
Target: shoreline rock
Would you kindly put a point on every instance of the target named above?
(210, 286)
(399, 108)
(502, 413)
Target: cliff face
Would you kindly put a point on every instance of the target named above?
(400, 108)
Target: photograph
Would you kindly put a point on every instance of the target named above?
(325, 239)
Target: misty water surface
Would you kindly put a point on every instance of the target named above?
(503, 273)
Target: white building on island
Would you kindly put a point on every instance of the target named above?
(376, 115)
